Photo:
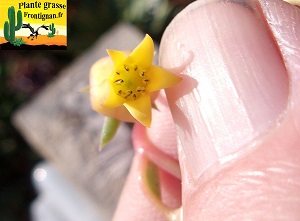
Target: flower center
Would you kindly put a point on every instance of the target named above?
(130, 82)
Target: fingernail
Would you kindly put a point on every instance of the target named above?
(280, 17)
(235, 87)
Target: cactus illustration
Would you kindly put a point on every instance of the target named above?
(52, 29)
(9, 26)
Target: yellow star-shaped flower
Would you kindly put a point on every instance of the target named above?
(120, 86)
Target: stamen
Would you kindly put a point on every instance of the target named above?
(140, 89)
(119, 81)
(128, 94)
(130, 82)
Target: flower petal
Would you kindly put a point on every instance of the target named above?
(120, 113)
(116, 56)
(140, 109)
(161, 78)
(101, 92)
(142, 55)
(112, 99)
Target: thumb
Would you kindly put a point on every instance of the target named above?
(238, 126)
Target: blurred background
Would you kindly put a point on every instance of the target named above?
(24, 73)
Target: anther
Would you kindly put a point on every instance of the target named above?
(119, 92)
(140, 89)
(128, 94)
(134, 96)
(126, 68)
(119, 81)
(146, 81)
(142, 74)
(136, 67)
(118, 73)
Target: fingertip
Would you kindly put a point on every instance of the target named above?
(238, 95)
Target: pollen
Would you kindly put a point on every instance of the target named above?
(129, 81)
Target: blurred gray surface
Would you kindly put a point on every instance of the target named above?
(60, 125)
(58, 199)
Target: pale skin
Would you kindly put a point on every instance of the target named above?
(236, 115)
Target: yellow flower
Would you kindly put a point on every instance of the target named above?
(120, 85)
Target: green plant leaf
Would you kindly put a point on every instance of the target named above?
(109, 129)
(152, 178)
